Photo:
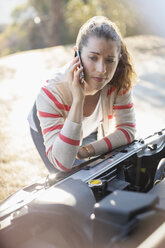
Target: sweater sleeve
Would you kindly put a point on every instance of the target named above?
(124, 133)
(61, 136)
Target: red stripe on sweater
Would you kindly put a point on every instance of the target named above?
(45, 114)
(122, 92)
(56, 102)
(110, 117)
(61, 166)
(112, 89)
(127, 106)
(108, 143)
(126, 134)
(52, 128)
(58, 163)
(126, 124)
(50, 148)
(68, 140)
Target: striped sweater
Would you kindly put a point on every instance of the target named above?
(63, 137)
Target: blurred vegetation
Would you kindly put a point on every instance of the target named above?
(45, 23)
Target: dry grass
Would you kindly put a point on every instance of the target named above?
(21, 76)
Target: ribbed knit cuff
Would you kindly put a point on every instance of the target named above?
(116, 139)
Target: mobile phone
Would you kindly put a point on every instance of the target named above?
(77, 53)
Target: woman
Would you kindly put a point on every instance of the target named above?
(71, 113)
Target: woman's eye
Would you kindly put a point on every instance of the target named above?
(110, 60)
(93, 58)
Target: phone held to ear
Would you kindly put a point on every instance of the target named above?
(77, 53)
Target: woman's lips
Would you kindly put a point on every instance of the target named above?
(98, 79)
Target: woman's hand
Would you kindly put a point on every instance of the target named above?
(85, 152)
(77, 90)
(72, 77)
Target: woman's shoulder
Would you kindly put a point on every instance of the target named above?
(58, 75)
(57, 86)
(109, 92)
(57, 78)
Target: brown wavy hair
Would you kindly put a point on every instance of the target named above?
(102, 27)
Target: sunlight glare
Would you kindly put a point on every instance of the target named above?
(58, 196)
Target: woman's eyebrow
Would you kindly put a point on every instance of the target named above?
(111, 56)
(95, 52)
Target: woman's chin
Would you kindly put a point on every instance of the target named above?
(91, 91)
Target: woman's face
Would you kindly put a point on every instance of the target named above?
(100, 59)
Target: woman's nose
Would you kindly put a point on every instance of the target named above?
(101, 67)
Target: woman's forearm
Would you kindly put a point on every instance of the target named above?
(76, 111)
(66, 144)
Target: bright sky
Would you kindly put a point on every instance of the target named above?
(6, 7)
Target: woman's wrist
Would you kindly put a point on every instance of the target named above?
(86, 152)
(90, 149)
(76, 111)
(78, 101)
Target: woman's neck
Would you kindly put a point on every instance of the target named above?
(90, 103)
